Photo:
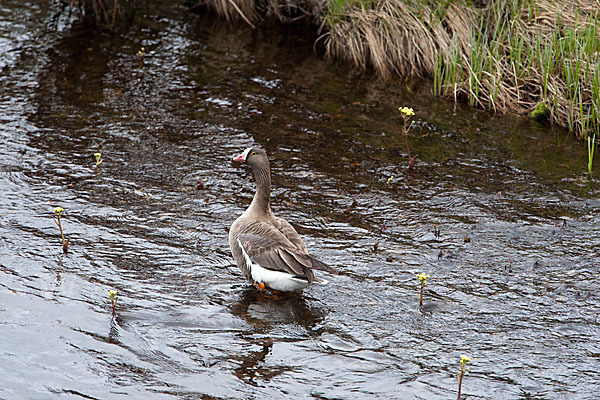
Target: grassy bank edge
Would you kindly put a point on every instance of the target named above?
(537, 58)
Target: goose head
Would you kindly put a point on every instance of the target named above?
(254, 157)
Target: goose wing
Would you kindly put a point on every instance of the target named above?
(290, 233)
(271, 249)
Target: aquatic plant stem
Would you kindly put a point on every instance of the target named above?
(591, 142)
(65, 242)
(411, 159)
(407, 112)
(461, 373)
(460, 378)
(423, 280)
(113, 299)
(62, 235)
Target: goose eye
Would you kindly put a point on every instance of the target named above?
(253, 153)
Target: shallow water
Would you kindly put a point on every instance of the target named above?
(513, 273)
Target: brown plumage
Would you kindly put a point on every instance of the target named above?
(268, 249)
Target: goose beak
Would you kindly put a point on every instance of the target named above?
(242, 157)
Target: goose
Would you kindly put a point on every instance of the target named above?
(267, 249)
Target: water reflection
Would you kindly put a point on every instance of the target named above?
(264, 313)
(287, 317)
(114, 336)
(252, 367)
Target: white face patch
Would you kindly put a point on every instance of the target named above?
(245, 153)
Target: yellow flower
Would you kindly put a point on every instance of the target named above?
(407, 111)
(423, 278)
(464, 360)
(59, 210)
(390, 179)
(97, 155)
(113, 295)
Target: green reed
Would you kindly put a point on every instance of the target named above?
(591, 144)
(516, 63)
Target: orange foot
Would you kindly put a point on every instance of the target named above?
(268, 293)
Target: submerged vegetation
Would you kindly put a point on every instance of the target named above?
(407, 113)
(65, 242)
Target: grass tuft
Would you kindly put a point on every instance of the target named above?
(509, 56)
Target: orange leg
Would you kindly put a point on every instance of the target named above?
(268, 293)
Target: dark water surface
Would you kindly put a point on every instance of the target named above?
(514, 272)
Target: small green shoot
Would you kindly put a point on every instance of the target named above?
(98, 159)
(423, 280)
(407, 112)
(113, 299)
(591, 142)
(461, 372)
(58, 211)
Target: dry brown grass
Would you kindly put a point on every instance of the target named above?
(252, 10)
(508, 57)
(398, 39)
(108, 14)
(232, 9)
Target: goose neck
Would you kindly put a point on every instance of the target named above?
(261, 203)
